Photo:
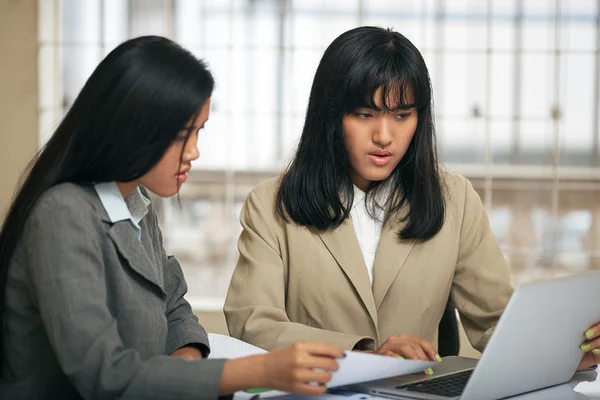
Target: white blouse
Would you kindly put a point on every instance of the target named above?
(368, 229)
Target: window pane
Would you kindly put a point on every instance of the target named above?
(535, 143)
(307, 27)
(462, 141)
(304, 66)
(49, 77)
(218, 25)
(503, 24)
(578, 24)
(116, 21)
(79, 61)
(576, 105)
(452, 97)
(213, 140)
(502, 69)
(148, 17)
(537, 88)
(539, 24)
(501, 141)
(80, 22)
(189, 23)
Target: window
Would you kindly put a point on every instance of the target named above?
(515, 84)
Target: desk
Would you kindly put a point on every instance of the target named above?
(584, 385)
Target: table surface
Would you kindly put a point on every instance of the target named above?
(584, 385)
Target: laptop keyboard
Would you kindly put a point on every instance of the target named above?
(449, 386)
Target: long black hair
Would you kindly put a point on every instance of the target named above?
(316, 189)
(129, 111)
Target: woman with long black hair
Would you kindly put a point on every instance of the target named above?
(91, 306)
(364, 240)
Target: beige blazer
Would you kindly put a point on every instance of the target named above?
(294, 283)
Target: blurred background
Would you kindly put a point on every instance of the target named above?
(516, 87)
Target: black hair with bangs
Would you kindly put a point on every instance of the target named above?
(316, 189)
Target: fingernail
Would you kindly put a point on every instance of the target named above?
(438, 358)
(596, 351)
(429, 371)
(344, 355)
(585, 347)
(400, 357)
(589, 334)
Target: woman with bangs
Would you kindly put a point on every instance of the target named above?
(364, 241)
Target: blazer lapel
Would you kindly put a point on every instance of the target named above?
(123, 236)
(389, 259)
(343, 245)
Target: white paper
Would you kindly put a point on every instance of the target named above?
(361, 367)
(354, 368)
(222, 346)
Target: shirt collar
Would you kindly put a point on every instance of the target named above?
(132, 208)
(359, 196)
(380, 199)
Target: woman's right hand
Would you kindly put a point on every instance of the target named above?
(409, 347)
(304, 367)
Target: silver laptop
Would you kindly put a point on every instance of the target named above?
(535, 345)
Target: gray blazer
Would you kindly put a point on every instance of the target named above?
(92, 312)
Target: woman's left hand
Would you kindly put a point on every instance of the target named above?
(591, 347)
(188, 352)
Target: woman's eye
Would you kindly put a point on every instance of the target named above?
(402, 115)
(363, 115)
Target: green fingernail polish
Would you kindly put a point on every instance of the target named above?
(596, 351)
(257, 390)
(400, 357)
(438, 358)
(585, 347)
(589, 334)
(429, 371)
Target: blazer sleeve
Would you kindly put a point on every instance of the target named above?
(481, 286)
(64, 260)
(255, 304)
(183, 326)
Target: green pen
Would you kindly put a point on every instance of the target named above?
(257, 390)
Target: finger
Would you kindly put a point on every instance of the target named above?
(596, 356)
(313, 390)
(317, 376)
(394, 344)
(591, 345)
(407, 351)
(593, 332)
(420, 352)
(324, 363)
(390, 353)
(588, 360)
(321, 349)
(431, 352)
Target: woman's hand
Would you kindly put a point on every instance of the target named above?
(591, 347)
(304, 367)
(410, 347)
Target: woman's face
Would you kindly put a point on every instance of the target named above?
(376, 140)
(166, 177)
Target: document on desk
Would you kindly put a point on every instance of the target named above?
(222, 346)
(361, 367)
(354, 368)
